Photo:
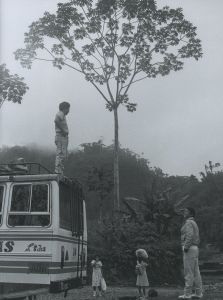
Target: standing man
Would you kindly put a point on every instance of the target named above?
(190, 241)
(61, 139)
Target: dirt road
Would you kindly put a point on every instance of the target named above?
(212, 292)
(130, 293)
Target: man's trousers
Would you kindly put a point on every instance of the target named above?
(191, 272)
(61, 153)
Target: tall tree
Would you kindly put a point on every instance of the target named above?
(12, 87)
(113, 44)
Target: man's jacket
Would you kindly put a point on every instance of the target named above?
(189, 234)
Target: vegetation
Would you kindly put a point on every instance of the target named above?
(113, 44)
(12, 87)
(147, 217)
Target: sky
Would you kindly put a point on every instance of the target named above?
(179, 118)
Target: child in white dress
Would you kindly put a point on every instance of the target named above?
(142, 279)
(96, 276)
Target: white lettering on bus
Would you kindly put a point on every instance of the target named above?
(32, 247)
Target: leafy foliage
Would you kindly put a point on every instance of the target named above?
(12, 87)
(156, 227)
(121, 239)
(87, 164)
(112, 43)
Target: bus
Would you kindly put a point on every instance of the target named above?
(43, 228)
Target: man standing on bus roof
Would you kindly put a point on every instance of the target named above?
(61, 138)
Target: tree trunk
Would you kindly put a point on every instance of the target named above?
(1, 101)
(100, 210)
(116, 162)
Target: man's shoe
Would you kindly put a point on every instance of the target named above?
(182, 297)
(195, 296)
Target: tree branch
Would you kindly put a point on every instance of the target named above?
(88, 33)
(100, 92)
(72, 67)
(74, 50)
(139, 79)
(43, 59)
(80, 71)
(117, 82)
(131, 80)
(49, 52)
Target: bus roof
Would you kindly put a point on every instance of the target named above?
(23, 172)
(24, 178)
(23, 168)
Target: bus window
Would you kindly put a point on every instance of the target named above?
(39, 198)
(29, 205)
(77, 208)
(71, 208)
(21, 198)
(77, 211)
(65, 206)
(1, 201)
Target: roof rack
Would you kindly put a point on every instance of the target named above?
(30, 168)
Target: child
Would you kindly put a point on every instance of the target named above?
(96, 276)
(142, 279)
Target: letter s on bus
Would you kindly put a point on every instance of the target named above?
(9, 246)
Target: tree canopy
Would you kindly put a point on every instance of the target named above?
(113, 43)
(12, 87)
